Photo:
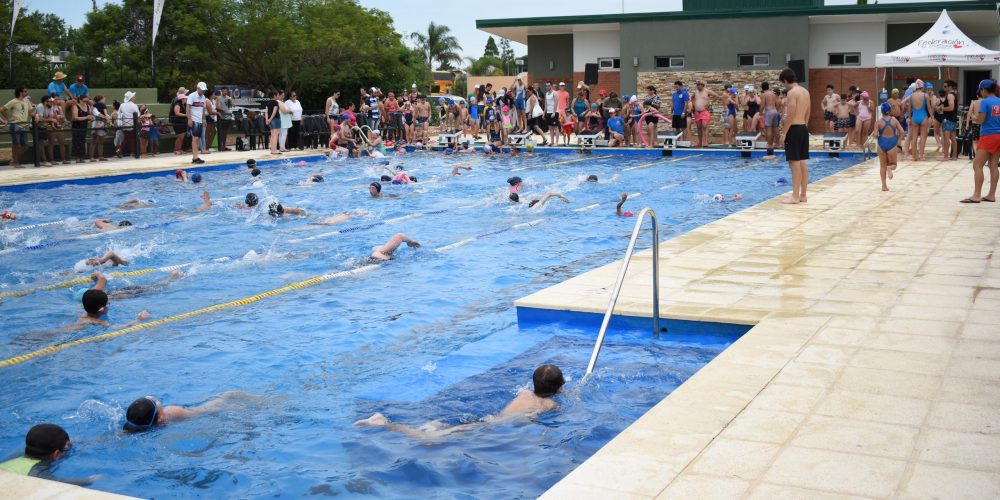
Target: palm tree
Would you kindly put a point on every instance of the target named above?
(438, 45)
(484, 66)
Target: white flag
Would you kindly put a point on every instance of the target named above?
(157, 10)
(13, 19)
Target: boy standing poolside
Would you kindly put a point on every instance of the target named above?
(548, 381)
(796, 136)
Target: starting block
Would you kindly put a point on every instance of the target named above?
(747, 140)
(448, 140)
(834, 141)
(520, 140)
(586, 141)
(670, 140)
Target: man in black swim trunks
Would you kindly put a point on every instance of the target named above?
(796, 135)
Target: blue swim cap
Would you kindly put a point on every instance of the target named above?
(78, 294)
(782, 180)
(345, 116)
(928, 85)
(196, 178)
(447, 151)
(410, 149)
(886, 108)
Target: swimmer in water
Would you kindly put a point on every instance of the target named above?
(720, 198)
(108, 224)
(255, 173)
(337, 219)
(548, 381)
(95, 306)
(251, 200)
(385, 252)
(539, 203)
(315, 179)
(618, 209)
(276, 209)
(251, 164)
(180, 175)
(147, 412)
(375, 189)
(515, 184)
(104, 259)
(592, 178)
(456, 168)
(43, 445)
(135, 204)
(206, 202)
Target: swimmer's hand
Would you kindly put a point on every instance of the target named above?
(413, 244)
(143, 316)
(96, 275)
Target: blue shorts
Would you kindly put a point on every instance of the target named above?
(197, 129)
(519, 103)
(275, 124)
(949, 126)
(18, 135)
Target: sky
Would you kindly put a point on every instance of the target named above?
(460, 16)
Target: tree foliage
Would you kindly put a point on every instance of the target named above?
(507, 56)
(312, 46)
(491, 49)
(485, 66)
(438, 45)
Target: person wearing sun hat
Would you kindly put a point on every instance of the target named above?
(58, 85)
(127, 113)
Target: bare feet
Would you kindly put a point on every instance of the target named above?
(885, 188)
(790, 201)
(376, 420)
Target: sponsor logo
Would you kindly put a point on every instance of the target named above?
(995, 110)
(941, 43)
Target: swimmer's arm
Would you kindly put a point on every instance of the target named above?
(103, 223)
(114, 258)
(142, 316)
(217, 404)
(100, 280)
(294, 211)
(618, 208)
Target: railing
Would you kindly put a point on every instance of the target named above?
(621, 278)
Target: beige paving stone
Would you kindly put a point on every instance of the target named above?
(915, 362)
(928, 312)
(826, 354)
(978, 349)
(913, 343)
(836, 472)
(965, 417)
(787, 398)
(980, 331)
(931, 482)
(978, 368)
(735, 458)
(767, 491)
(698, 486)
(891, 383)
(852, 436)
(970, 391)
(968, 450)
(763, 425)
(567, 490)
(921, 327)
(808, 374)
(874, 407)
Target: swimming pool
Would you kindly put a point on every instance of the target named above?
(430, 335)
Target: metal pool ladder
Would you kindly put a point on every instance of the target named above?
(621, 278)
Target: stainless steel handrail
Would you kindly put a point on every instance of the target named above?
(621, 278)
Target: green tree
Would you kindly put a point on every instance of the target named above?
(438, 45)
(491, 49)
(507, 56)
(485, 66)
(35, 36)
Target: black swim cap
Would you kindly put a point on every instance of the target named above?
(124, 223)
(385, 178)
(251, 163)
(275, 209)
(94, 300)
(413, 179)
(591, 178)
(45, 439)
(251, 200)
(514, 197)
(255, 172)
(317, 178)
(378, 187)
(513, 181)
(141, 415)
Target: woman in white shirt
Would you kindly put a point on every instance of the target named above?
(295, 109)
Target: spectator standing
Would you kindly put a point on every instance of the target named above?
(58, 125)
(101, 120)
(211, 117)
(285, 118)
(80, 118)
(295, 107)
(58, 86)
(43, 122)
(679, 100)
(128, 113)
(223, 105)
(178, 119)
(195, 119)
(333, 108)
(17, 115)
(79, 88)
(273, 120)
(612, 102)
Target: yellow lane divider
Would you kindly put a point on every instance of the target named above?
(52, 349)
(675, 160)
(81, 281)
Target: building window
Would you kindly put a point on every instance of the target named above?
(845, 59)
(669, 62)
(754, 60)
(609, 63)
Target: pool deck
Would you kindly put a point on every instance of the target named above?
(873, 368)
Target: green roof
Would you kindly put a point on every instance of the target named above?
(832, 10)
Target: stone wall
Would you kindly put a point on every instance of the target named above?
(714, 80)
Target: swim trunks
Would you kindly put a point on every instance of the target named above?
(829, 116)
(989, 143)
(678, 122)
(949, 126)
(702, 117)
(797, 143)
(772, 118)
(842, 124)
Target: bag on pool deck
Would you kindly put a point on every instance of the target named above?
(239, 144)
(536, 111)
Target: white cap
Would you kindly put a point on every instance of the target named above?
(413, 86)
(562, 84)
(579, 85)
(129, 95)
(202, 86)
(633, 99)
(372, 89)
(501, 93)
(475, 86)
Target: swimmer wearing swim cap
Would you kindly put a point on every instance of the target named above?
(251, 163)
(375, 189)
(618, 209)
(255, 172)
(196, 178)
(515, 184)
(276, 209)
(180, 175)
(591, 178)
(249, 201)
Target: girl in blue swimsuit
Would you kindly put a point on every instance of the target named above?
(918, 138)
(887, 143)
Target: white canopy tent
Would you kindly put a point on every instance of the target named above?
(943, 45)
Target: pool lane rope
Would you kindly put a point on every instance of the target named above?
(32, 226)
(85, 280)
(86, 237)
(562, 162)
(647, 165)
(179, 317)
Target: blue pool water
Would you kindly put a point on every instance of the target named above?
(430, 335)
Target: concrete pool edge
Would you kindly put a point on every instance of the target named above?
(805, 404)
(18, 486)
